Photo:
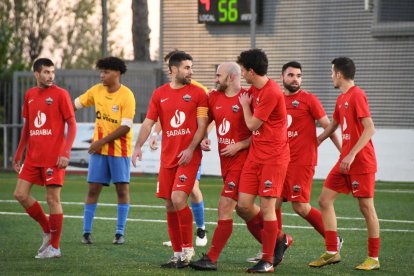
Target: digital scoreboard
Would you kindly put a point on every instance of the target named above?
(224, 12)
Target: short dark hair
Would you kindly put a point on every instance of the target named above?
(176, 58)
(167, 56)
(254, 59)
(345, 66)
(111, 63)
(37, 65)
(293, 64)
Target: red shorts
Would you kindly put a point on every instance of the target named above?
(262, 179)
(298, 183)
(361, 185)
(231, 181)
(42, 176)
(179, 178)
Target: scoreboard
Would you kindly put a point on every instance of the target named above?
(225, 12)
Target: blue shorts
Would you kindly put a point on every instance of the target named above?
(103, 169)
(199, 172)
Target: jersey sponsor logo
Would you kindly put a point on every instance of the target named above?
(226, 141)
(40, 132)
(49, 101)
(235, 108)
(40, 119)
(289, 120)
(268, 184)
(256, 132)
(182, 178)
(105, 117)
(177, 132)
(344, 124)
(115, 108)
(224, 127)
(178, 119)
(292, 133)
(163, 100)
(187, 98)
(295, 103)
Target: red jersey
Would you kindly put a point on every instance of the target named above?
(231, 128)
(303, 109)
(269, 143)
(177, 110)
(46, 111)
(350, 108)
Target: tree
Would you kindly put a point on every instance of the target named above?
(140, 30)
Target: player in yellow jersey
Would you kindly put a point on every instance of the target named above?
(111, 147)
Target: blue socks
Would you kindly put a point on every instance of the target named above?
(123, 210)
(198, 213)
(88, 214)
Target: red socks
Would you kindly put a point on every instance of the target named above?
(255, 226)
(373, 247)
(185, 218)
(269, 235)
(315, 219)
(56, 222)
(331, 241)
(280, 233)
(37, 213)
(220, 238)
(174, 231)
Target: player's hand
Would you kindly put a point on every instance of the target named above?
(345, 164)
(185, 157)
(153, 142)
(245, 99)
(136, 154)
(95, 147)
(62, 162)
(17, 165)
(229, 150)
(205, 144)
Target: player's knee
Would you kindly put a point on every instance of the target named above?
(20, 197)
(52, 200)
(300, 210)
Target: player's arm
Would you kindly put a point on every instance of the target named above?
(153, 141)
(63, 158)
(363, 140)
(252, 122)
(206, 142)
(24, 137)
(328, 131)
(187, 154)
(233, 149)
(143, 134)
(324, 122)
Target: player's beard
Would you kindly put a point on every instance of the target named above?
(45, 84)
(291, 88)
(183, 79)
(221, 87)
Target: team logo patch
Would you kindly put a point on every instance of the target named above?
(115, 108)
(183, 178)
(49, 101)
(231, 185)
(187, 98)
(296, 188)
(257, 100)
(295, 103)
(49, 171)
(235, 108)
(355, 185)
(346, 104)
(268, 184)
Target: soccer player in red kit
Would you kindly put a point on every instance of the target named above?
(182, 110)
(265, 168)
(46, 110)
(355, 170)
(233, 138)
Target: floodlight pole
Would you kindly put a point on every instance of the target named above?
(253, 24)
(104, 28)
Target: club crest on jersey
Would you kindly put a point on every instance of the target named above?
(295, 103)
(235, 108)
(115, 108)
(183, 178)
(346, 104)
(231, 185)
(355, 185)
(187, 98)
(268, 184)
(49, 171)
(257, 100)
(49, 101)
(296, 188)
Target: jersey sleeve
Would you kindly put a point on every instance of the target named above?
(361, 105)
(316, 108)
(335, 115)
(128, 106)
(267, 103)
(24, 109)
(87, 99)
(66, 106)
(152, 112)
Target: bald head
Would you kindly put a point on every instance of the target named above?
(231, 68)
(228, 76)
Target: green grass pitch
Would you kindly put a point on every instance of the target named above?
(143, 251)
